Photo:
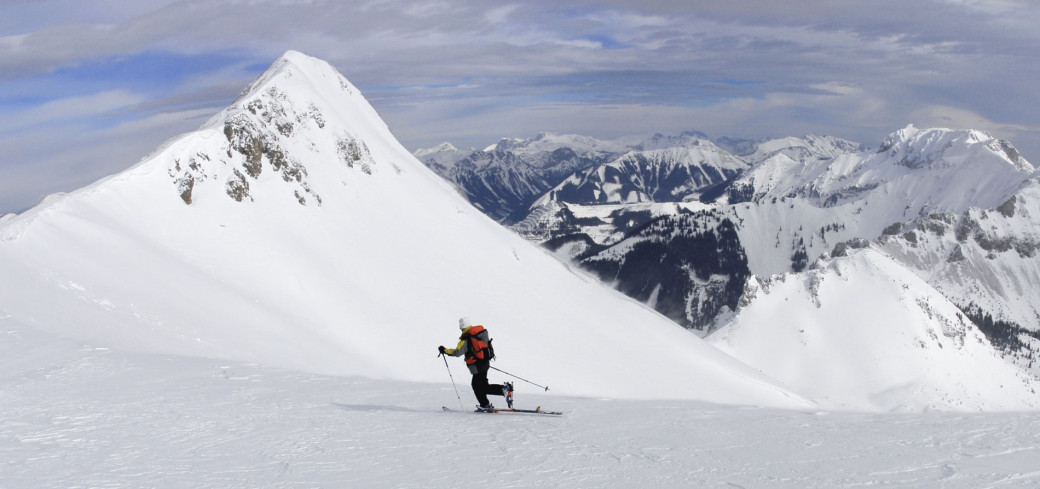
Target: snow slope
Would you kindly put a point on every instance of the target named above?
(986, 256)
(985, 261)
(78, 415)
(293, 230)
(862, 330)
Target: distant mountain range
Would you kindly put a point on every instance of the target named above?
(505, 178)
(682, 224)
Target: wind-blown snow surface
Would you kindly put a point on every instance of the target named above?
(293, 230)
(78, 415)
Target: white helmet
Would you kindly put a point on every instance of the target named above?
(465, 322)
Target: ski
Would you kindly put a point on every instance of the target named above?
(537, 410)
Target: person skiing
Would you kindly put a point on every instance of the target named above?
(475, 345)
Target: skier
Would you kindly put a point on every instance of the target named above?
(476, 346)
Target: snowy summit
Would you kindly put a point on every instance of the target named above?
(293, 230)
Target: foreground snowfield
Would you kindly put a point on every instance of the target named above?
(78, 415)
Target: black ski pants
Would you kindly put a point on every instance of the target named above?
(481, 387)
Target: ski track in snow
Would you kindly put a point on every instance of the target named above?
(74, 415)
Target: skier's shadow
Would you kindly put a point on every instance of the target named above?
(377, 407)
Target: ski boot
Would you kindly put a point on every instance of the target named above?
(507, 391)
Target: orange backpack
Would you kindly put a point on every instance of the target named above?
(478, 349)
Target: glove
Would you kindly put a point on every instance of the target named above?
(440, 349)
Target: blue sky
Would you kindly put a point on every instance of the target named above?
(88, 87)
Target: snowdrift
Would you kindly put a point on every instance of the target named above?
(293, 230)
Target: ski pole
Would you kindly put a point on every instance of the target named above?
(521, 378)
(452, 377)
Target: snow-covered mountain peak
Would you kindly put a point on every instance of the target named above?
(444, 147)
(295, 231)
(932, 170)
(936, 147)
(805, 148)
(547, 142)
(294, 68)
(503, 143)
(299, 117)
(866, 194)
(686, 138)
(441, 157)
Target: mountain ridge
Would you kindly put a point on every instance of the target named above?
(951, 206)
(291, 250)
